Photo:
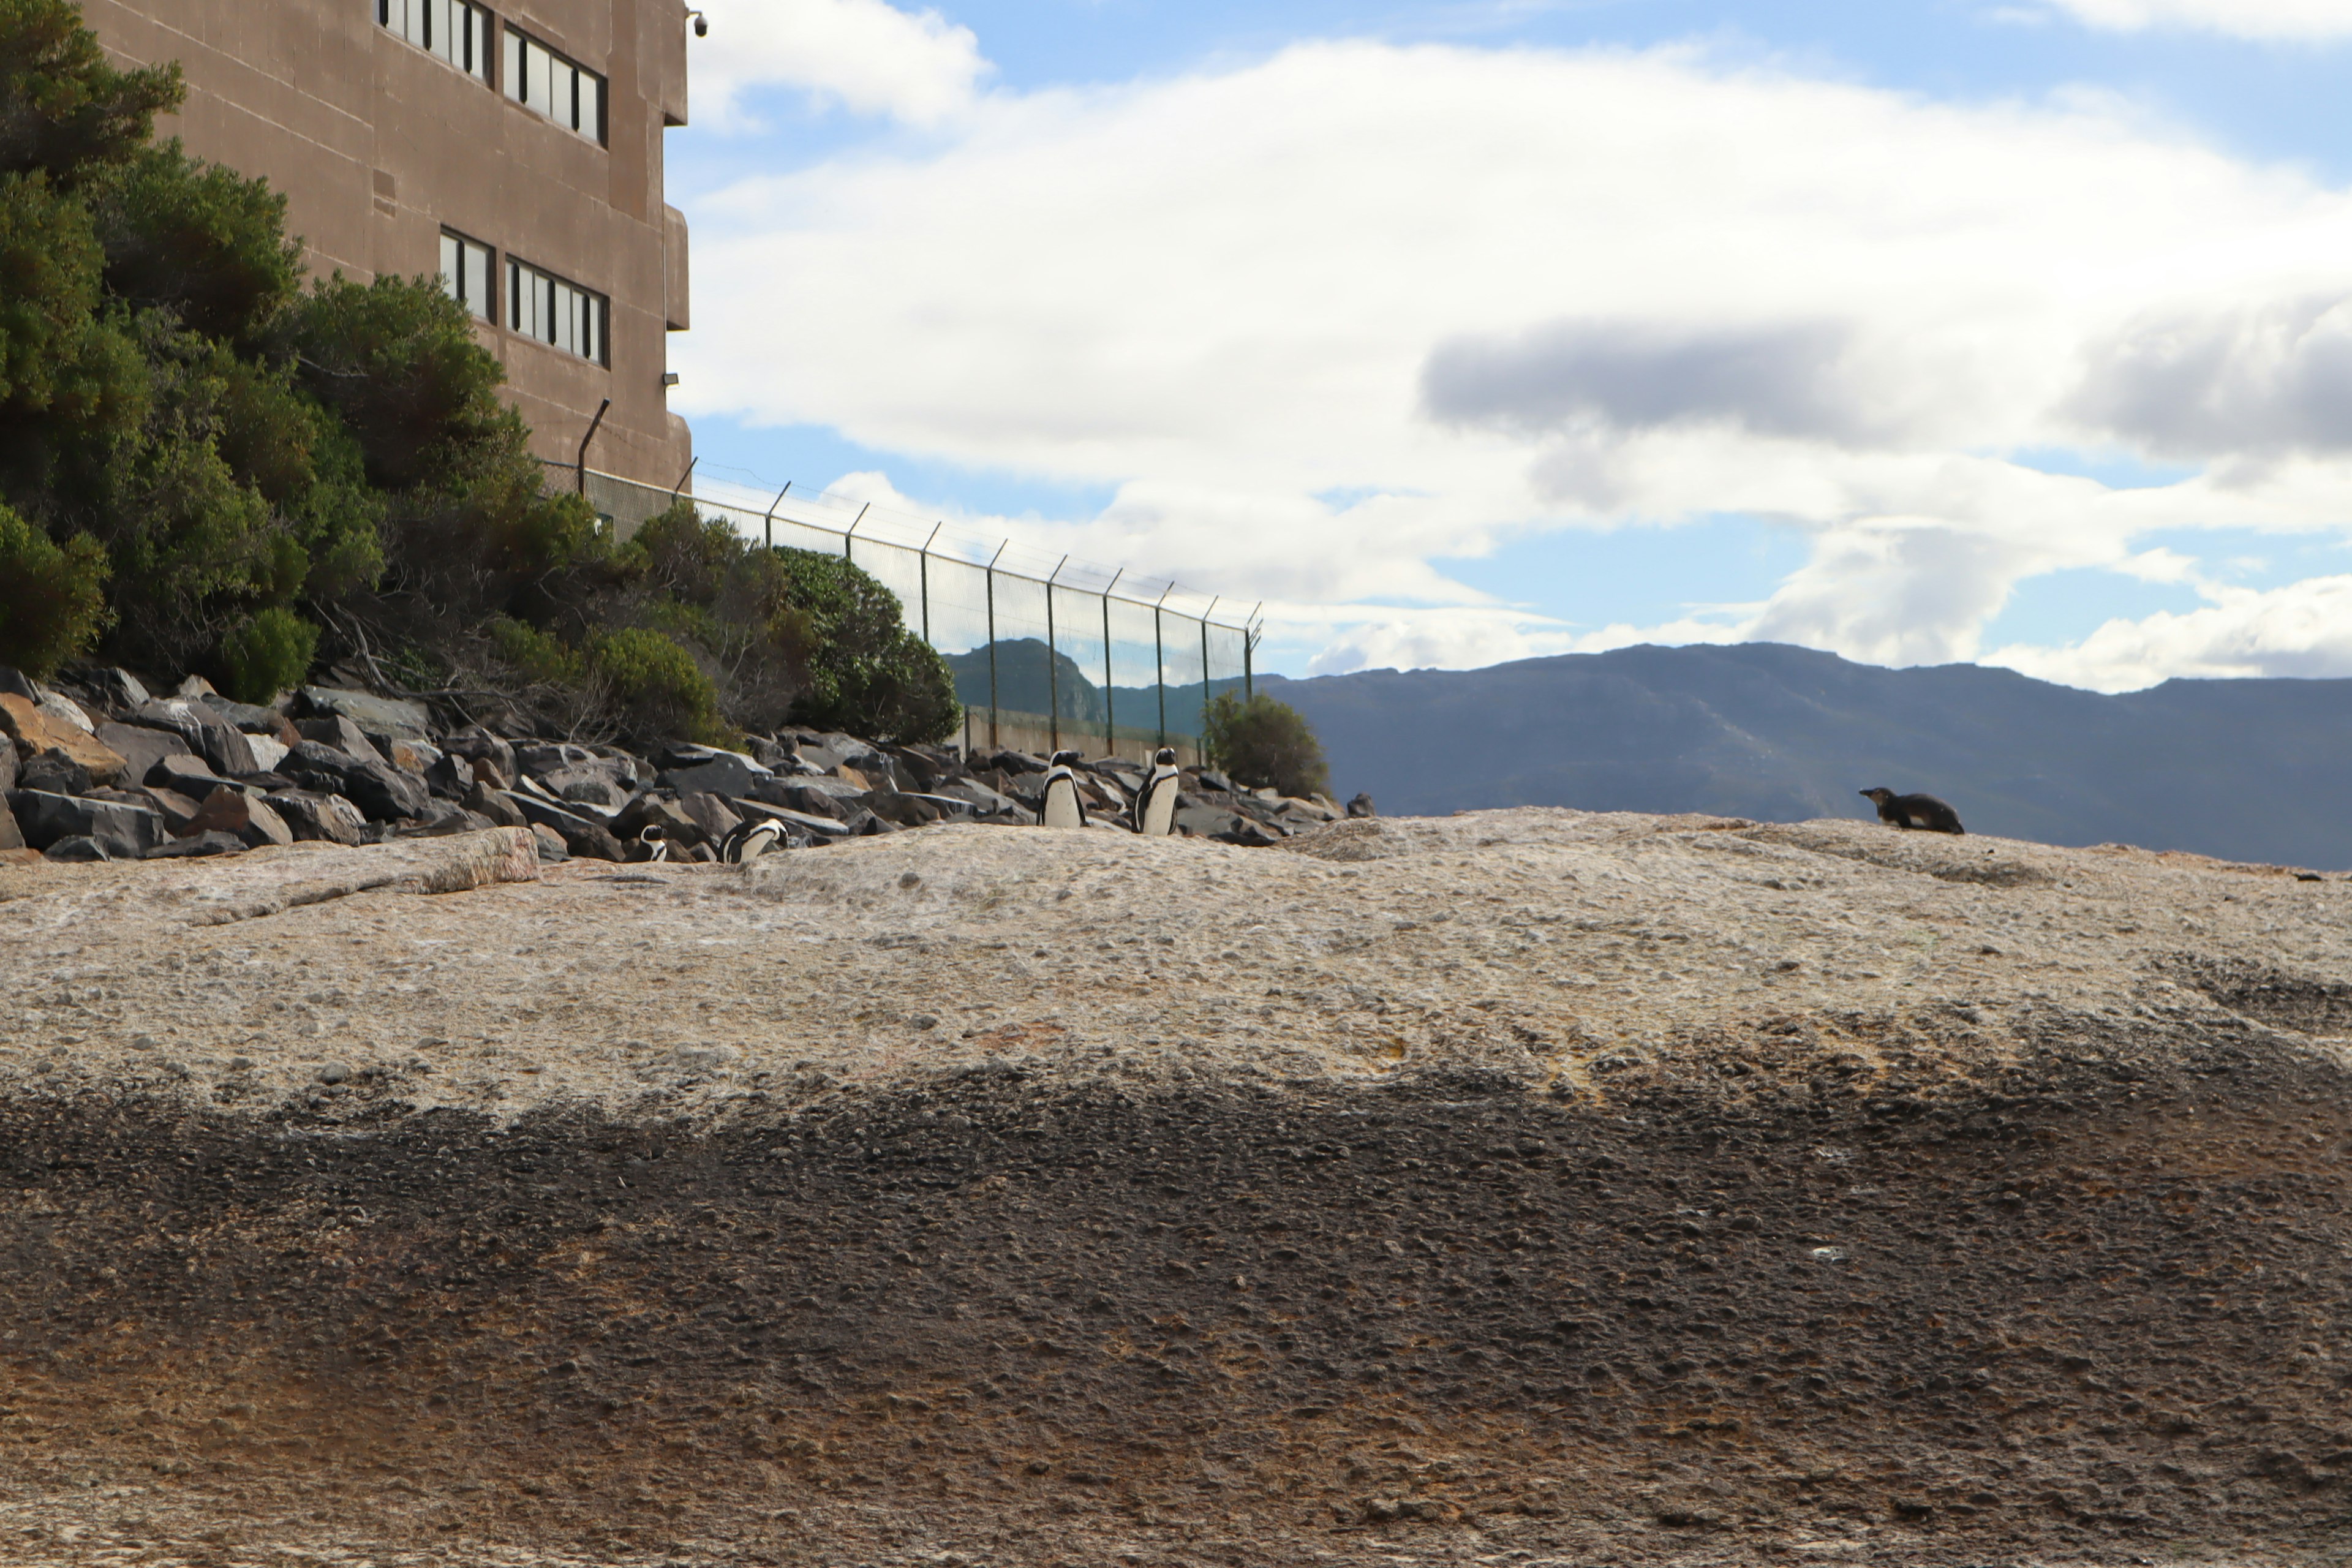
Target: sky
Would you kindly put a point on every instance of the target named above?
(2013, 332)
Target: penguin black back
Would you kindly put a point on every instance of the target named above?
(1924, 811)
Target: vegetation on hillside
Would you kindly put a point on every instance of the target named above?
(205, 465)
(1260, 744)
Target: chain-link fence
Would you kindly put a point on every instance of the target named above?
(1046, 653)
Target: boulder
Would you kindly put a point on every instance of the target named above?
(11, 837)
(450, 777)
(479, 747)
(389, 716)
(339, 733)
(384, 792)
(142, 747)
(36, 731)
(540, 758)
(55, 772)
(117, 688)
(187, 772)
(15, 682)
(63, 709)
(316, 817)
(655, 811)
(1361, 805)
(710, 814)
(248, 818)
(587, 783)
(722, 773)
(590, 840)
(7, 765)
(552, 847)
(268, 750)
(82, 847)
(800, 827)
(178, 810)
(1208, 821)
(494, 805)
(1212, 779)
(119, 832)
(901, 809)
(983, 799)
(199, 845)
(409, 756)
(213, 738)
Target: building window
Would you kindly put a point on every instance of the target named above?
(466, 273)
(455, 30)
(556, 313)
(540, 80)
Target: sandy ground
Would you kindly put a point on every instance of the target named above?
(1548, 1187)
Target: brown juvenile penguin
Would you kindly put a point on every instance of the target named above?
(1923, 811)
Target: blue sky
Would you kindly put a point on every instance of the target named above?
(1458, 331)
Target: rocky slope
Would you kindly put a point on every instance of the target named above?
(1526, 1186)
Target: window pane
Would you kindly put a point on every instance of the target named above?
(542, 80)
(591, 106)
(514, 71)
(452, 273)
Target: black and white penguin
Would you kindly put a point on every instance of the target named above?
(1063, 808)
(1155, 806)
(653, 844)
(750, 841)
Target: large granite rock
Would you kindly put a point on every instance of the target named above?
(35, 733)
(118, 831)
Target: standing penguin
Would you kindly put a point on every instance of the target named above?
(653, 844)
(750, 841)
(1155, 807)
(1063, 808)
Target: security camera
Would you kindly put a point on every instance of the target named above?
(701, 23)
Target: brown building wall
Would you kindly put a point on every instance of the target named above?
(379, 146)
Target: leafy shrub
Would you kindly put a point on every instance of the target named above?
(267, 654)
(660, 692)
(861, 669)
(537, 656)
(1261, 743)
(52, 596)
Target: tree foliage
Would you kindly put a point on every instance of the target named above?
(1263, 744)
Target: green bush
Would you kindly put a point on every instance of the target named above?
(860, 670)
(1261, 743)
(267, 654)
(659, 691)
(52, 596)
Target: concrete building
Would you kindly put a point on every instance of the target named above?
(514, 147)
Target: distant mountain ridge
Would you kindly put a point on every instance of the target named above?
(2255, 769)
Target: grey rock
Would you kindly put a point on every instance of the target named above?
(1208, 821)
(724, 772)
(451, 777)
(55, 772)
(268, 750)
(587, 784)
(142, 747)
(15, 682)
(197, 846)
(187, 772)
(7, 765)
(375, 715)
(333, 730)
(246, 818)
(710, 813)
(656, 811)
(318, 816)
(11, 837)
(334, 1072)
(250, 720)
(382, 791)
(804, 823)
(1361, 805)
(551, 848)
(494, 806)
(539, 758)
(1212, 779)
(121, 832)
(176, 809)
(589, 840)
(82, 848)
(479, 747)
(119, 688)
(211, 737)
(64, 710)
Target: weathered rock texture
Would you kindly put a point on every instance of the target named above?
(1522, 1187)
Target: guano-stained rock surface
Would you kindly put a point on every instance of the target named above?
(1521, 1187)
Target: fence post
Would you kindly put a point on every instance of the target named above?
(1205, 670)
(1250, 636)
(849, 539)
(925, 564)
(771, 523)
(1160, 659)
(1053, 675)
(1110, 705)
(994, 741)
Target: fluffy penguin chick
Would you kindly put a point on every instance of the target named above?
(750, 841)
(1921, 811)
(1063, 807)
(1155, 807)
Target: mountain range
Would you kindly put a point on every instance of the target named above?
(2253, 770)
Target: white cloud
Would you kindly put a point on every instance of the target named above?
(1506, 289)
(868, 57)
(2302, 630)
(2235, 18)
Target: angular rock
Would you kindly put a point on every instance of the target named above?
(552, 847)
(268, 750)
(384, 792)
(187, 772)
(15, 682)
(53, 773)
(1361, 805)
(7, 765)
(119, 688)
(590, 840)
(479, 747)
(249, 819)
(333, 730)
(141, 746)
(655, 811)
(800, 827)
(1208, 821)
(121, 832)
(409, 756)
(724, 772)
(984, 800)
(317, 817)
(375, 715)
(587, 784)
(62, 710)
(213, 737)
(83, 848)
(36, 732)
(710, 814)
(1212, 779)
(450, 777)
(902, 809)
(495, 806)
(196, 846)
(11, 836)
(178, 810)
(540, 758)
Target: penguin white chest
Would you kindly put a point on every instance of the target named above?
(1062, 807)
(1158, 807)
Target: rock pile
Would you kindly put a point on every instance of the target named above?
(100, 768)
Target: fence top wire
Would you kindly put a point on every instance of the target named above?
(867, 522)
